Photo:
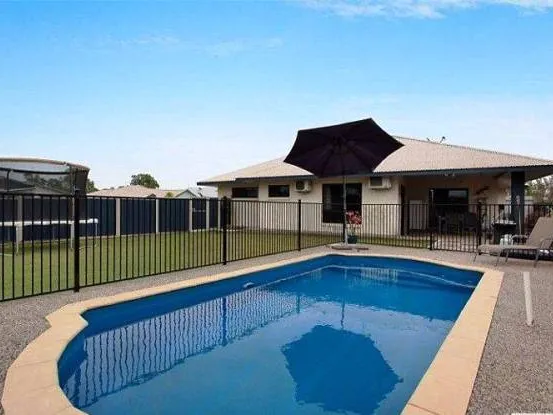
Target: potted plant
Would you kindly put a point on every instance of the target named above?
(353, 220)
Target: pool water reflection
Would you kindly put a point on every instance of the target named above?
(353, 340)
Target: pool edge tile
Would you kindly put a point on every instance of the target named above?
(45, 401)
(446, 391)
(411, 409)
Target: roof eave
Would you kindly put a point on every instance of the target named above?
(540, 170)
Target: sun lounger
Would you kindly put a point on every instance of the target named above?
(540, 239)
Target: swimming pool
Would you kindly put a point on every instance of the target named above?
(334, 334)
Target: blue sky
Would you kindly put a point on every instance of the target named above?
(187, 90)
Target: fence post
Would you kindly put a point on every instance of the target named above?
(77, 240)
(190, 215)
(430, 227)
(207, 204)
(117, 217)
(479, 223)
(216, 201)
(520, 214)
(224, 212)
(157, 214)
(299, 225)
(20, 201)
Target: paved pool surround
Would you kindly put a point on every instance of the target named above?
(32, 385)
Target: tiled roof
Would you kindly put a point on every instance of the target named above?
(134, 191)
(415, 156)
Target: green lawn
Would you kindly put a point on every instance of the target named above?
(47, 266)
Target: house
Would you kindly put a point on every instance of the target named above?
(135, 191)
(198, 193)
(455, 178)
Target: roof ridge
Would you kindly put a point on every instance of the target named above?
(465, 147)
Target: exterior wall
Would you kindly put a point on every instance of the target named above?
(369, 196)
(273, 214)
(384, 219)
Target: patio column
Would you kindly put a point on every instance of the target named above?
(518, 178)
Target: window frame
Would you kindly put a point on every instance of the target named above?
(334, 213)
(379, 181)
(245, 188)
(280, 186)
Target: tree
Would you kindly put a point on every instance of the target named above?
(144, 179)
(541, 190)
(169, 195)
(90, 186)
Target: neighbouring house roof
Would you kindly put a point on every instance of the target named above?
(416, 157)
(200, 192)
(134, 191)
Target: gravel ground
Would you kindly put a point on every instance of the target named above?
(515, 374)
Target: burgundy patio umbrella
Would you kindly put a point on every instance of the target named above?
(356, 147)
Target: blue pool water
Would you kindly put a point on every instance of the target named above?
(348, 335)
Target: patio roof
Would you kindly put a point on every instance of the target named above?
(417, 157)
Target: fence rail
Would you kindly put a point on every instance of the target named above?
(51, 243)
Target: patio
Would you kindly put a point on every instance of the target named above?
(514, 375)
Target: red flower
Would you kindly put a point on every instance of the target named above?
(353, 220)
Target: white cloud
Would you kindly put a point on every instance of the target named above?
(416, 8)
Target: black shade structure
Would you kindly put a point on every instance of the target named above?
(356, 147)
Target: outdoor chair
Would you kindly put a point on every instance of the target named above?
(540, 239)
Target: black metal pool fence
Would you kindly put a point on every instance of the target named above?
(51, 243)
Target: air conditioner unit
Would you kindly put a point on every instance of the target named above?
(303, 186)
(378, 182)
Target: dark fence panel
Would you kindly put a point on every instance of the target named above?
(199, 214)
(8, 206)
(46, 207)
(213, 213)
(102, 211)
(174, 215)
(137, 216)
(123, 238)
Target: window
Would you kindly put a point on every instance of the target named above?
(245, 192)
(458, 198)
(279, 190)
(376, 181)
(333, 201)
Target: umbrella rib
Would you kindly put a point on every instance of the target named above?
(325, 163)
(352, 152)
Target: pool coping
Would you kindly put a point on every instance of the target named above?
(32, 386)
